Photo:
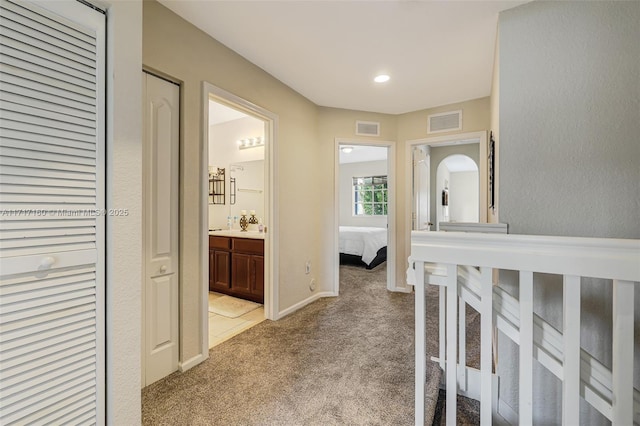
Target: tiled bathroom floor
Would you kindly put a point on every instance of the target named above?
(222, 328)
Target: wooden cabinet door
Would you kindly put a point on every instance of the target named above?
(257, 276)
(240, 273)
(221, 271)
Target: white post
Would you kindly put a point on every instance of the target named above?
(452, 342)
(526, 348)
(571, 351)
(442, 345)
(421, 348)
(486, 334)
(462, 337)
(623, 344)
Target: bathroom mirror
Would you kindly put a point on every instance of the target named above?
(248, 188)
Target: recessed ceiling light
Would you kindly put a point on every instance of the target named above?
(346, 149)
(381, 78)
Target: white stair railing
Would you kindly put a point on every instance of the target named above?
(463, 264)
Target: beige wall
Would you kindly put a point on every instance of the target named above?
(305, 165)
(339, 123)
(180, 51)
(411, 126)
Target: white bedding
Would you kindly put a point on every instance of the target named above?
(361, 241)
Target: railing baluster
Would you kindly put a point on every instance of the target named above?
(526, 348)
(452, 341)
(462, 341)
(421, 346)
(571, 351)
(486, 335)
(622, 352)
(608, 390)
(442, 325)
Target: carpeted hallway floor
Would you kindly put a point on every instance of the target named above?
(346, 360)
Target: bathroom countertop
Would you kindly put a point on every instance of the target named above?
(236, 233)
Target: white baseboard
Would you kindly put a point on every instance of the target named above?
(192, 362)
(304, 303)
(406, 289)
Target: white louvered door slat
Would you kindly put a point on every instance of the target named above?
(37, 120)
(38, 31)
(35, 14)
(49, 44)
(44, 57)
(79, 88)
(7, 105)
(26, 91)
(52, 237)
(57, 110)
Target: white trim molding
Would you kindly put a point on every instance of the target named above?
(305, 302)
(438, 141)
(192, 362)
(392, 284)
(271, 273)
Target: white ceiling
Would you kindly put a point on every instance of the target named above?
(436, 52)
(361, 153)
(219, 113)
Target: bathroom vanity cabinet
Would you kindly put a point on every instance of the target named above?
(236, 267)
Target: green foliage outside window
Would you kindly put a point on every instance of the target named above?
(370, 196)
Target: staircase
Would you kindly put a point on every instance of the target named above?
(465, 268)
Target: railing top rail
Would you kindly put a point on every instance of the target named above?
(606, 258)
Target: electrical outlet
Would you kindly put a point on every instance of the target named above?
(312, 284)
(307, 268)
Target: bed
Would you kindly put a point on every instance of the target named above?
(362, 246)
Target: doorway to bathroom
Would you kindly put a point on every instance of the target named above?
(365, 210)
(239, 288)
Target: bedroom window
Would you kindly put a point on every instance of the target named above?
(370, 196)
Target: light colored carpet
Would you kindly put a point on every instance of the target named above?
(231, 307)
(345, 360)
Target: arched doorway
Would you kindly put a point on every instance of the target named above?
(457, 190)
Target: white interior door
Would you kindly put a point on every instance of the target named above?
(161, 278)
(421, 185)
(52, 217)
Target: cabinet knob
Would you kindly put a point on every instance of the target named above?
(163, 269)
(47, 262)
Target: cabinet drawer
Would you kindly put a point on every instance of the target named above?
(247, 245)
(223, 243)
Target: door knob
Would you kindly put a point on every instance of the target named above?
(163, 269)
(47, 262)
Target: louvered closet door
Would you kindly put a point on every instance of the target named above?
(52, 166)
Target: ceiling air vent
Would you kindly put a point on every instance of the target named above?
(444, 122)
(367, 128)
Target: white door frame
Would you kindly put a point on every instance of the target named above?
(271, 290)
(392, 285)
(438, 141)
